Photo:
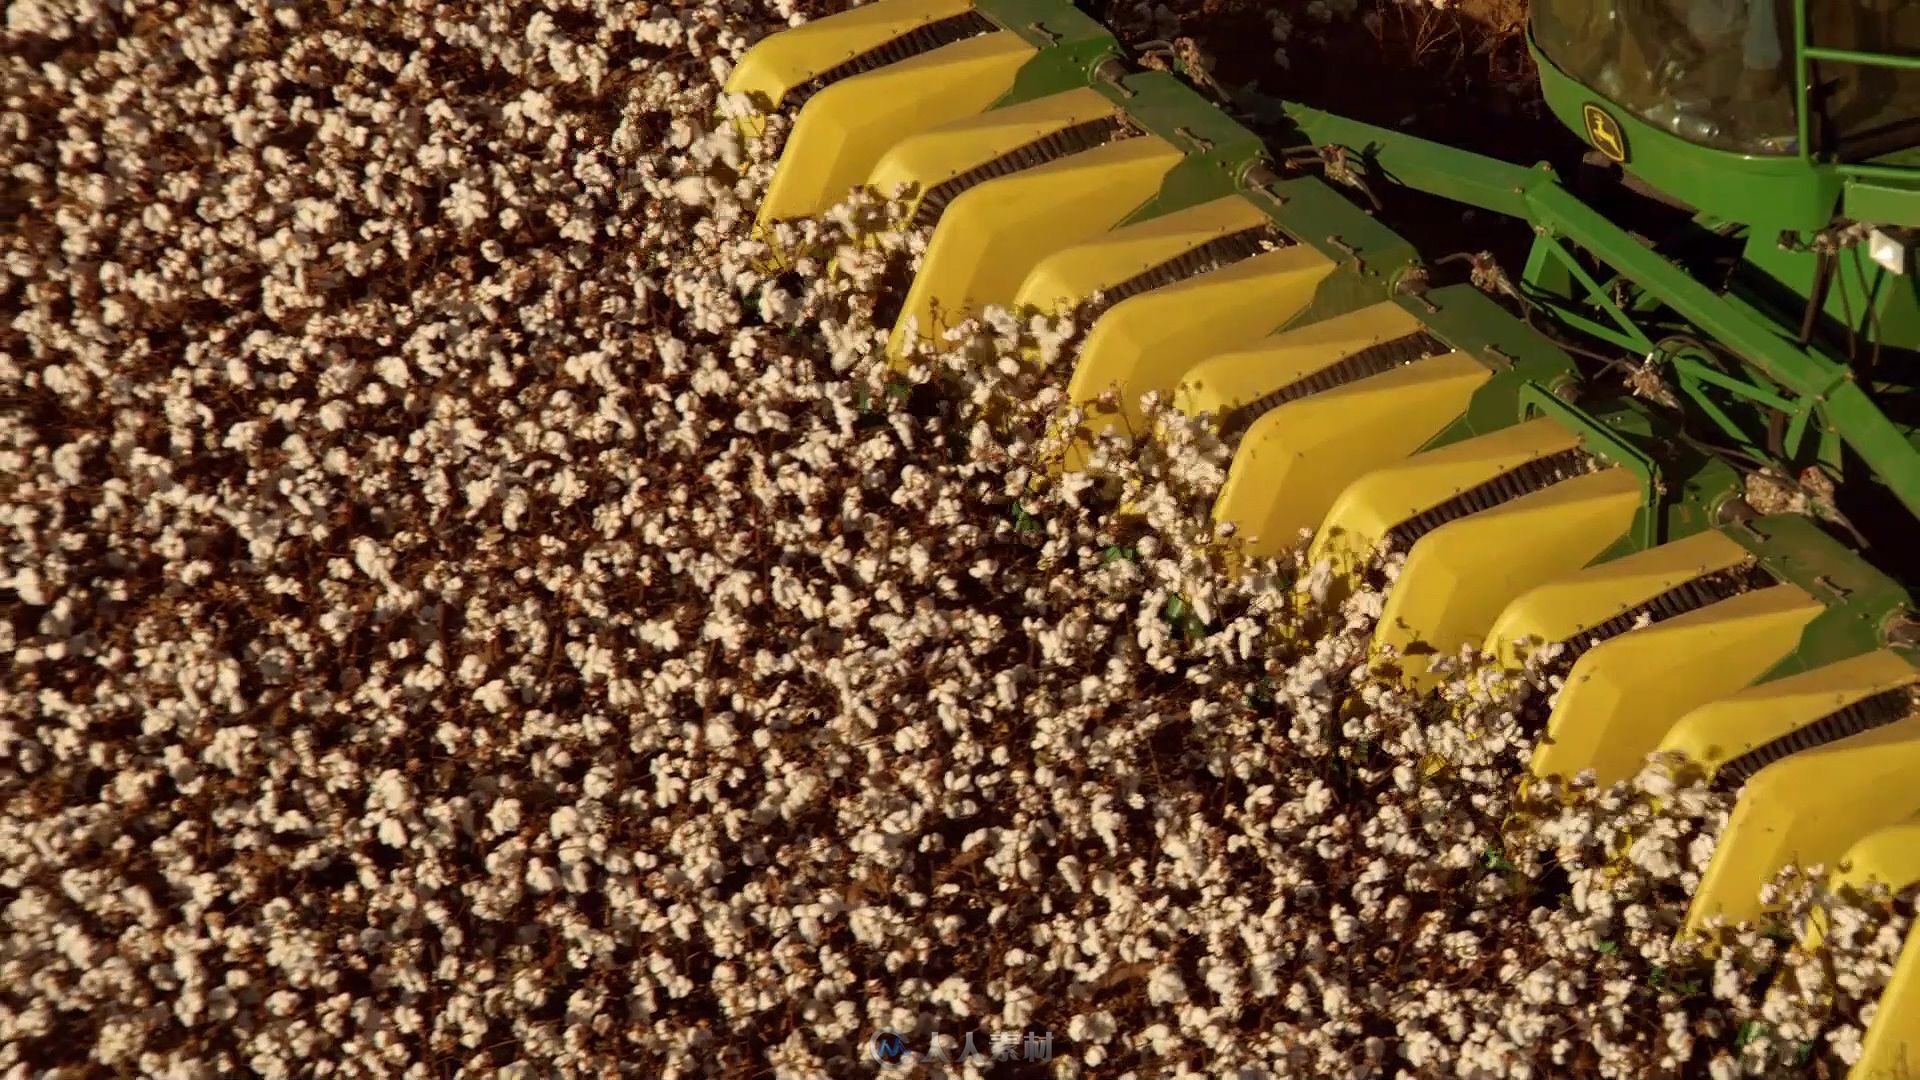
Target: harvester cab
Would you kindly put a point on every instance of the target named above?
(1775, 79)
(1689, 460)
(1797, 121)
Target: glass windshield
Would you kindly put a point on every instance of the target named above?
(1714, 72)
(1868, 109)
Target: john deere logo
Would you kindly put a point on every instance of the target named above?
(1604, 132)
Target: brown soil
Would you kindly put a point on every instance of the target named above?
(1460, 76)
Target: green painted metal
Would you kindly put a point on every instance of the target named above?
(1317, 215)
(1736, 360)
(1770, 193)
(1071, 46)
(1856, 56)
(1802, 78)
(1859, 599)
(1397, 158)
(1813, 387)
(1340, 292)
(1801, 376)
(1804, 372)
(1552, 274)
(1872, 198)
(1522, 357)
(1803, 193)
(1047, 24)
(1217, 149)
(1898, 167)
(1604, 438)
(1698, 485)
(1880, 305)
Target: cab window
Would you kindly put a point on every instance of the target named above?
(1714, 72)
(1865, 110)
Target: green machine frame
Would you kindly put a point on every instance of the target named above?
(1772, 397)
(1784, 202)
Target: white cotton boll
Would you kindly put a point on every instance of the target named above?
(1345, 926)
(493, 697)
(1165, 986)
(516, 558)
(1334, 1000)
(465, 205)
(723, 145)
(504, 816)
(392, 369)
(1847, 1043)
(691, 190)
(391, 792)
(541, 877)
(540, 28)
(956, 994)
(27, 582)
(370, 559)
(599, 782)
(1020, 1004)
(660, 634)
(35, 17)
(513, 509)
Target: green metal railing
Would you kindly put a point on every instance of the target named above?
(1804, 55)
(1855, 56)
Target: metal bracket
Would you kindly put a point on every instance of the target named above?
(1602, 440)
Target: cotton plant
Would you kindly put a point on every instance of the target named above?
(477, 609)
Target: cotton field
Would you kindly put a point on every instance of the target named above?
(467, 616)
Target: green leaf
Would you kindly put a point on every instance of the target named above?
(1179, 615)
(1261, 696)
(1116, 553)
(1749, 1031)
(1608, 948)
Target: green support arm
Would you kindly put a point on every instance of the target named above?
(1537, 196)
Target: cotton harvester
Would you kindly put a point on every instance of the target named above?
(1692, 458)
